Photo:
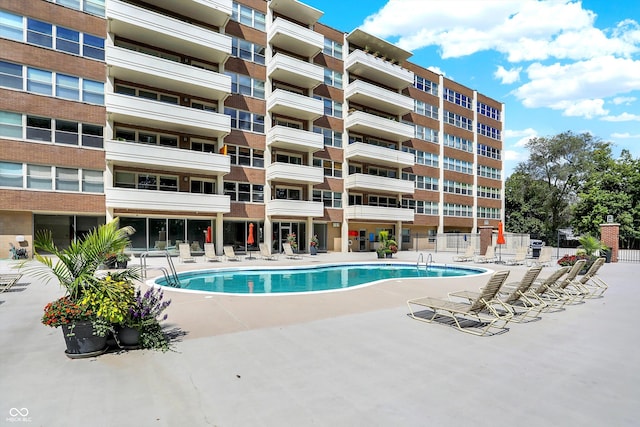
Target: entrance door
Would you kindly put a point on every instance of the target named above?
(285, 230)
(362, 238)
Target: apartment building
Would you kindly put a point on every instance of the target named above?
(211, 119)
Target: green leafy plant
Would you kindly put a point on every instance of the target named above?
(292, 239)
(314, 240)
(145, 314)
(591, 244)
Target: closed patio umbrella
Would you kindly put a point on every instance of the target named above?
(250, 238)
(500, 241)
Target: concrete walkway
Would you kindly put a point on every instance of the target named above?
(350, 358)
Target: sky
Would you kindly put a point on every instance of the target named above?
(557, 65)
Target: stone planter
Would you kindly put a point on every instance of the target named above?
(313, 250)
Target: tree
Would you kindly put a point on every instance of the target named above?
(545, 186)
(612, 188)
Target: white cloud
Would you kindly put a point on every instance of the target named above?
(624, 117)
(625, 135)
(523, 136)
(626, 100)
(523, 30)
(437, 70)
(514, 156)
(507, 76)
(569, 87)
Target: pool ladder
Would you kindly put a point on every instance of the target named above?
(170, 275)
(427, 263)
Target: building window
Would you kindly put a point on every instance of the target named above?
(39, 129)
(39, 81)
(490, 213)
(244, 192)
(11, 26)
(453, 209)
(245, 85)
(93, 47)
(489, 131)
(425, 133)
(66, 132)
(92, 136)
(487, 151)
(68, 40)
(331, 138)
(92, 181)
(455, 187)
(421, 182)
(248, 51)
(457, 98)
(10, 175)
(458, 121)
(425, 85)
(39, 33)
(203, 186)
(425, 109)
(67, 87)
(489, 192)
(330, 167)
(329, 199)
(39, 177)
(331, 108)
(332, 48)
(489, 172)
(458, 143)
(245, 120)
(245, 156)
(248, 16)
(449, 163)
(422, 157)
(67, 179)
(332, 78)
(489, 111)
(421, 207)
(10, 125)
(144, 181)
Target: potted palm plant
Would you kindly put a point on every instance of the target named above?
(90, 304)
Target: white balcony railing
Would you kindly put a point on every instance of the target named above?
(294, 71)
(368, 66)
(143, 25)
(378, 213)
(381, 127)
(165, 201)
(294, 105)
(156, 114)
(295, 38)
(368, 153)
(381, 99)
(380, 184)
(166, 158)
(295, 139)
(295, 208)
(139, 67)
(286, 172)
(214, 12)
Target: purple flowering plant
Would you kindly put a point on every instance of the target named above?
(147, 308)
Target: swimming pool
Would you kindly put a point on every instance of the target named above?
(283, 280)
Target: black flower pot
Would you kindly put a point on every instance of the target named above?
(313, 250)
(128, 337)
(122, 264)
(81, 342)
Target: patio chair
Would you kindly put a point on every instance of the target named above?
(210, 252)
(591, 283)
(557, 289)
(230, 254)
(519, 258)
(570, 286)
(489, 256)
(184, 253)
(8, 280)
(466, 257)
(476, 309)
(266, 253)
(515, 296)
(288, 251)
(544, 260)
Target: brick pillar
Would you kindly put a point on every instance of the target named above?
(486, 238)
(609, 236)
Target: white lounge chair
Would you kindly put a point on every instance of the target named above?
(230, 254)
(544, 259)
(288, 251)
(520, 257)
(489, 256)
(184, 254)
(467, 256)
(210, 252)
(266, 254)
(8, 280)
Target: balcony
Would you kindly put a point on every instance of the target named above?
(294, 71)
(161, 115)
(368, 66)
(145, 26)
(294, 208)
(214, 12)
(164, 201)
(294, 105)
(166, 158)
(378, 184)
(378, 98)
(296, 10)
(295, 38)
(295, 174)
(295, 139)
(380, 127)
(369, 153)
(378, 213)
(138, 67)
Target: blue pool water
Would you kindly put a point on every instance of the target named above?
(307, 279)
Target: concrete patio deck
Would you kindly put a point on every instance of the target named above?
(349, 358)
